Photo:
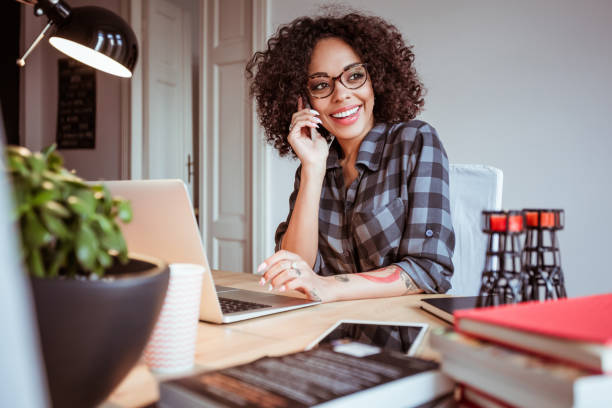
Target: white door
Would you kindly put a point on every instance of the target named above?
(228, 133)
(168, 141)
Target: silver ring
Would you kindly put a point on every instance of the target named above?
(295, 269)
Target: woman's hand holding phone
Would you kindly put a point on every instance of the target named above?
(310, 147)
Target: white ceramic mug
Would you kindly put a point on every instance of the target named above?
(171, 348)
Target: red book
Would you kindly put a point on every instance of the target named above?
(474, 398)
(576, 330)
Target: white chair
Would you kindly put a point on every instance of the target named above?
(473, 188)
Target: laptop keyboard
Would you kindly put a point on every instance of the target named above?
(233, 305)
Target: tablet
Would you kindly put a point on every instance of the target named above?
(444, 307)
(389, 336)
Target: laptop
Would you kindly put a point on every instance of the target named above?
(164, 226)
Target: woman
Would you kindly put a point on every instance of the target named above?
(370, 214)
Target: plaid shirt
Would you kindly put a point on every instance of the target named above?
(396, 211)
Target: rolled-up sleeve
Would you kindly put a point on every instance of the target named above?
(428, 241)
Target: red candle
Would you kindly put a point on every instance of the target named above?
(515, 223)
(497, 222)
(532, 218)
(547, 219)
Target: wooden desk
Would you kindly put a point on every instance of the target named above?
(219, 346)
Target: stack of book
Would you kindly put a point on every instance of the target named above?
(347, 375)
(538, 354)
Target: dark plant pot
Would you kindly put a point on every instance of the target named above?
(93, 332)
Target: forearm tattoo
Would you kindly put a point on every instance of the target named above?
(411, 287)
(341, 278)
(383, 279)
(398, 273)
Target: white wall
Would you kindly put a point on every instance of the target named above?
(40, 93)
(523, 86)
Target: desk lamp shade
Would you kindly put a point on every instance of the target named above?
(99, 38)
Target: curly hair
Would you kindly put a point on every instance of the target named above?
(281, 71)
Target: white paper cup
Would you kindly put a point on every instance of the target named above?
(171, 348)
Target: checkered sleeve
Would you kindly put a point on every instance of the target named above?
(282, 227)
(428, 241)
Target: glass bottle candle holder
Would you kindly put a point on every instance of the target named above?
(541, 257)
(501, 278)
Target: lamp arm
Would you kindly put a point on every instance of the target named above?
(21, 61)
(56, 10)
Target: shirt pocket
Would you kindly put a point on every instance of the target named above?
(377, 233)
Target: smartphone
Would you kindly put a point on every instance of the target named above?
(307, 106)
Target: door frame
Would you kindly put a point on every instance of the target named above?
(259, 158)
(132, 100)
(133, 135)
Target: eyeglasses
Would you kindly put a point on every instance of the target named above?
(322, 85)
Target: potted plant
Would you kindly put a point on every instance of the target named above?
(96, 306)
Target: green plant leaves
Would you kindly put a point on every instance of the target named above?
(105, 260)
(43, 197)
(34, 233)
(86, 247)
(56, 209)
(48, 150)
(60, 258)
(54, 224)
(113, 241)
(125, 211)
(67, 226)
(35, 264)
(17, 164)
(79, 207)
(105, 225)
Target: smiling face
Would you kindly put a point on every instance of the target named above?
(346, 113)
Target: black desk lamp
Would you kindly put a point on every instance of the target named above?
(93, 35)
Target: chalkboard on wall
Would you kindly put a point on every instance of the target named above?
(76, 111)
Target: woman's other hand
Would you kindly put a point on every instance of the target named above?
(312, 151)
(288, 271)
